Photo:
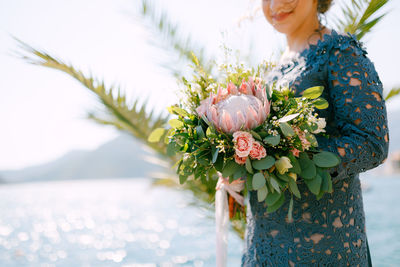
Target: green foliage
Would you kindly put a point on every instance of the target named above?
(393, 92)
(173, 39)
(117, 111)
(360, 16)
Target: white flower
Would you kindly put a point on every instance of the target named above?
(321, 125)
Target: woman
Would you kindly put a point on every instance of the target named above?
(330, 231)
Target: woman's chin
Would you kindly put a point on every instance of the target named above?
(282, 28)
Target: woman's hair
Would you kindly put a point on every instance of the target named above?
(323, 5)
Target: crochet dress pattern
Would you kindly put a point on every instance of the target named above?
(330, 231)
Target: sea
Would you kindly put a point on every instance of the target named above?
(132, 223)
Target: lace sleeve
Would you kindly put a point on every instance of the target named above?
(355, 93)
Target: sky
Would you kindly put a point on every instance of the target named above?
(42, 111)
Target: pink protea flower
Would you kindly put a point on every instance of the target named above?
(243, 143)
(234, 109)
(257, 151)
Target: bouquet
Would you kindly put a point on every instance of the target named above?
(249, 133)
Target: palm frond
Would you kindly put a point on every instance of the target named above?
(117, 112)
(183, 45)
(393, 92)
(360, 16)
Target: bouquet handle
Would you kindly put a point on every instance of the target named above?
(222, 214)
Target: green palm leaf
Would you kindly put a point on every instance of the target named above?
(117, 112)
(183, 45)
(360, 16)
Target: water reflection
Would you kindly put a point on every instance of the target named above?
(105, 223)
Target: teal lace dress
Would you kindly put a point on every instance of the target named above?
(330, 231)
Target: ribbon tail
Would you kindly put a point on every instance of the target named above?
(222, 220)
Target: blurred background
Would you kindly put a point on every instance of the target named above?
(77, 186)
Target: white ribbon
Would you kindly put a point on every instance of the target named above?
(222, 213)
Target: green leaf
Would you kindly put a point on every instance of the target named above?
(258, 181)
(241, 172)
(256, 135)
(283, 177)
(315, 184)
(175, 123)
(248, 165)
(172, 148)
(277, 204)
(293, 187)
(182, 178)
(290, 211)
(272, 198)
(264, 163)
(155, 135)
(200, 132)
(313, 92)
(249, 182)
(177, 111)
(262, 193)
(230, 168)
(275, 184)
(326, 159)
(214, 151)
(272, 140)
(286, 129)
(321, 103)
(320, 195)
(308, 170)
(295, 163)
(324, 175)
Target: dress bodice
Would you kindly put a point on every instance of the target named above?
(330, 231)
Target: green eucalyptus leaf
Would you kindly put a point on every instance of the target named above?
(262, 193)
(314, 184)
(277, 204)
(308, 169)
(258, 181)
(264, 163)
(240, 172)
(272, 140)
(313, 92)
(287, 130)
(248, 165)
(230, 168)
(294, 188)
(275, 184)
(272, 198)
(326, 159)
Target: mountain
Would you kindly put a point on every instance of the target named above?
(121, 157)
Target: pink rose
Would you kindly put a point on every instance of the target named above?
(295, 152)
(243, 143)
(257, 151)
(240, 160)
